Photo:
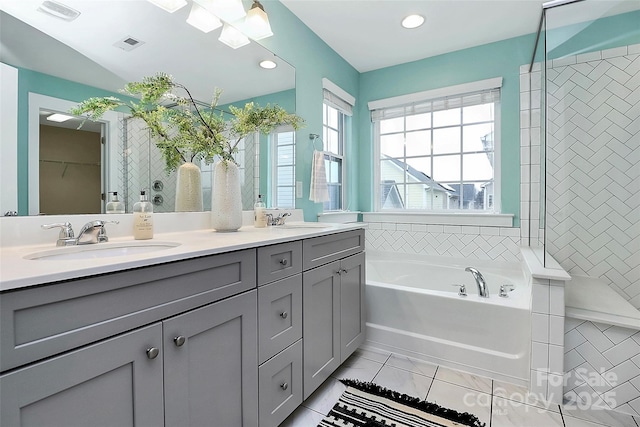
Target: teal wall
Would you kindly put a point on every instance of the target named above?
(499, 59)
(313, 59)
(601, 34)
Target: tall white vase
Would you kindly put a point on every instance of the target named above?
(226, 199)
(188, 188)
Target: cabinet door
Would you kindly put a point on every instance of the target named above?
(321, 324)
(111, 383)
(211, 365)
(352, 310)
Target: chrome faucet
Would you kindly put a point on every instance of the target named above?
(483, 289)
(279, 220)
(94, 232)
(91, 232)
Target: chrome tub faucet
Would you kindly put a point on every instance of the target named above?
(483, 289)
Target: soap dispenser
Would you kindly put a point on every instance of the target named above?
(115, 206)
(259, 213)
(143, 218)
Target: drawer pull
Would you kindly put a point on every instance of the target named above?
(284, 314)
(343, 271)
(284, 261)
(152, 352)
(284, 386)
(179, 341)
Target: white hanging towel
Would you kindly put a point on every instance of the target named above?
(318, 192)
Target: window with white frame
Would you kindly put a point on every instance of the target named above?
(440, 151)
(333, 125)
(337, 109)
(283, 155)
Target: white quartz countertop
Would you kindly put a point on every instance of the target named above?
(16, 271)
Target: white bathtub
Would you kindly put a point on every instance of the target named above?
(413, 309)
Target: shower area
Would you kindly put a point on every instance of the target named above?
(141, 166)
(581, 189)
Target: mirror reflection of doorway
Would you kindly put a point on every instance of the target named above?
(70, 166)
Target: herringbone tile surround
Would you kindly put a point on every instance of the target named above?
(593, 167)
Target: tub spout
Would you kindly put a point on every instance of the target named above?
(483, 289)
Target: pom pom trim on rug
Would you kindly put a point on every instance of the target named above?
(465, 418)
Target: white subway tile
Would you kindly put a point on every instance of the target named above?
(572, 360)
(418, 227)
(593, 356)
(453, 229)
(573, 339)
(435, 229)
(389, 226)
(403, 227)
(633, 49)
(489, 231)
(524, 82)
(614, 52)
(591, 56)
(540, 327)
(623, 372)
(466, 229)
(556, 300)
(595, 336)
(556, 330)
(567, 60)
(623, 351)
(538, 384)
(540, 299)
(539, 356)
(556, 359)
(525, 99)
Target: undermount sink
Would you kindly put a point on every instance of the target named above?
(302, 225)
(100, 250)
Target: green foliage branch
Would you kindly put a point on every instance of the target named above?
(184, 131)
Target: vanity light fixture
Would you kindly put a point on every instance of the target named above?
(59, 118)
(232, 37)
(257, 22)
(413, 21)
(169, 5)
(268, 64)
(202, 19)
(226, 10)
(239, 25)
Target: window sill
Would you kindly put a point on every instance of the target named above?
(340, 217)
(457, 218)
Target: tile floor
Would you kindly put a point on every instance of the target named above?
(495, 403)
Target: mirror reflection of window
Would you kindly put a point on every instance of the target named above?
(283, 146)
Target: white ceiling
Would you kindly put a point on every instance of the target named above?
(368, 34)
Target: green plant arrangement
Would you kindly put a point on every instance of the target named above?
(185, 131)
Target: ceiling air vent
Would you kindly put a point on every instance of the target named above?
(58, 10)
(128, 43)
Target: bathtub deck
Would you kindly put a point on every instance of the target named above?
(495, 403)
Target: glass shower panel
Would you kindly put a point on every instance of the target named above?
(592, 221)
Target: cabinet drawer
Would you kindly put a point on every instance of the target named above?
(276, 262)
(325, 249)
(39, 322)
(279, 316)
(280, 386)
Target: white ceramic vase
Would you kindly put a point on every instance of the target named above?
(226, 199)
(188, 188)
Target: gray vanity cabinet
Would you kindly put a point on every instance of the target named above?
(333, 304)
(321, 324)
(112, 383)
(210, 365)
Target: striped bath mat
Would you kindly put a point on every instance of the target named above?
(369, 405)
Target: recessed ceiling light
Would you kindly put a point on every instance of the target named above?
(57, 117)
(268, 64)
(413, 21)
